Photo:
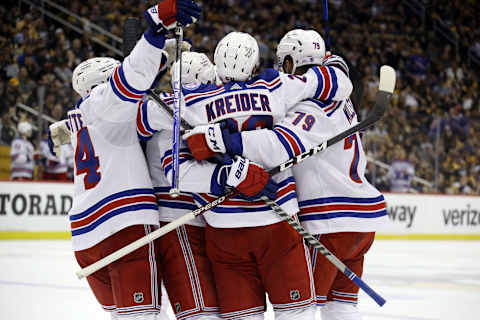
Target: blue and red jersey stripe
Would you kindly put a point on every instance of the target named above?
(327, 83)
(342, 207)
(183, 201)
(167, 159)
(286, 192)
(123, 89)
(111, 206)
(290, 141)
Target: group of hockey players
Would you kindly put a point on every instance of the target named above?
(246, 121)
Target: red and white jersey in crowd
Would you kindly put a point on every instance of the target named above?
(22, 163)
(112, 185)
(52, 163)
(151, 119)
(257, 103)
(400, 174)
(332, 191)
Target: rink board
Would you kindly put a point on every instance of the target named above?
(39, 210)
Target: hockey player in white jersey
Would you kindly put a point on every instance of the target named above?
(249, 245)
(22, 152)
(186, 270)
(336, 202)
(114, 202)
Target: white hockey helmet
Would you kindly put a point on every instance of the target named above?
(196, 68)
(24, 129)
(236, 57)
(91, 73)
(305, 47)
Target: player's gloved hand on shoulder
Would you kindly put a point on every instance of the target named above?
(205, 141)
(58, 133)
(166, 14)
(251, 180)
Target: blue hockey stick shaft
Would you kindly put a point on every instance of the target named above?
(327, 26)
(177, 99)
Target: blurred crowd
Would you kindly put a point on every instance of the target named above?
(434, 120)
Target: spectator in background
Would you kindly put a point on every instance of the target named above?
(8, 130)
(401, 172)
(458, 122)
(21, 153)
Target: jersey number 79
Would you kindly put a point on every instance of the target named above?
(86, 161)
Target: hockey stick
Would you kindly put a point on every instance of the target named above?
(327, 25)
(177, 102)
(382, 101)
(131, 34)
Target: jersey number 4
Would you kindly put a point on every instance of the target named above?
(86, 161)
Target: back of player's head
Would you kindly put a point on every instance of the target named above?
(24, 129)
(305, 47)
(196, 68)
(236, 57)
(92, 72)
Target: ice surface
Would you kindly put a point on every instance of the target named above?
(421, 280)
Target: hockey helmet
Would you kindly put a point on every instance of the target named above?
(305, 47)
(196, 68)
(92, 72)
(24, 129)
(236, 57)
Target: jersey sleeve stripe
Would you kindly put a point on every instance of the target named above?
(143, 126)
(327, 83)
(320, 82)
(285, 143)
(334, 83)
(297, 142)
(329, 114)
(121, 91)
(127, 85)
(167, 159)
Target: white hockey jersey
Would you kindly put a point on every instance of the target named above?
(257, 103)
(52, 163)
(150, 120)
(112, 185)
(22, 163)
(332, 191)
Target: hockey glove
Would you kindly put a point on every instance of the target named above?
(58, 134)
(166, 14)
(207, 140)
(251, 180)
